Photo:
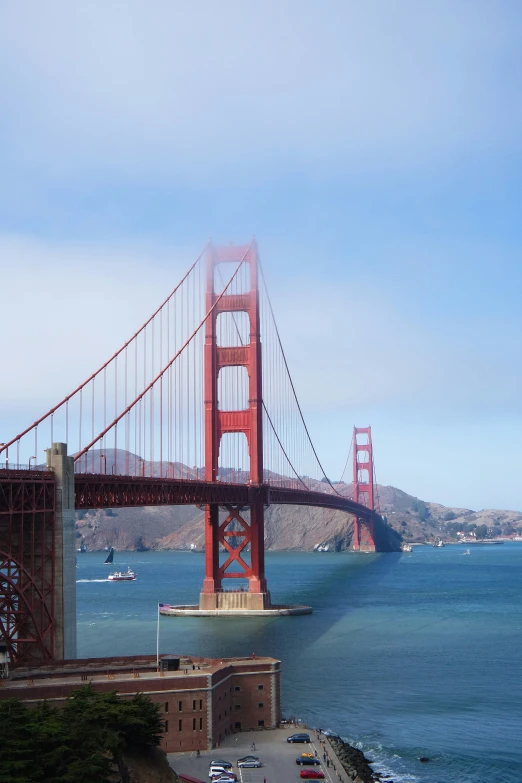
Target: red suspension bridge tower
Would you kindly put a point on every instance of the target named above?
(363, 534)
(243, 526)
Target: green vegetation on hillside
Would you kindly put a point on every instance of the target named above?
(86, 741)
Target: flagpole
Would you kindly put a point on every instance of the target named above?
(157, 639)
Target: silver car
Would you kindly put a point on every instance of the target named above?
(249, 763)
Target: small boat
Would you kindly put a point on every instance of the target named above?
(122, 576)
(438, 542)
(193, 547)
(110, 557)
(467, 552)
(406, 548)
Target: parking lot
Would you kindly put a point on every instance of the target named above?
(277, 755)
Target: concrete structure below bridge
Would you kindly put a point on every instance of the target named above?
(234, 600)
(234, 603)
(227, 608)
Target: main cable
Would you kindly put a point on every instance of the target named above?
(163, 371)
(292, 383)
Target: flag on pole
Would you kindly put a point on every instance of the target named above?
(157, 637)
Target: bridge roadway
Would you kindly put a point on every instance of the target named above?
(107, 491)
(93, 490)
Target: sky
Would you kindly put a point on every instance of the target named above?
(374, 150)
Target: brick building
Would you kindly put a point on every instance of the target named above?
(201, 702)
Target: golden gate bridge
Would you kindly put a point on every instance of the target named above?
(197, 407)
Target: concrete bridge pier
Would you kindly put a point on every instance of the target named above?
(64, 553)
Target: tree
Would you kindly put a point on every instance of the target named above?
(80, 743)
(16, 743)
(448, 516)
(117, 724)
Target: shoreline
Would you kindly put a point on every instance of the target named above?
(353, 761)
(349, 763)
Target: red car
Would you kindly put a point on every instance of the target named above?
(312, 774)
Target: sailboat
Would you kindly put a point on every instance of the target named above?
(110, 557)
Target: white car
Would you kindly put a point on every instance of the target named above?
(216, 772)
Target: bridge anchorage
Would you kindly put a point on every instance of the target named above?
(194, 386)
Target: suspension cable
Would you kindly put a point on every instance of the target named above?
(5, 446)
(169, 364)
(292, 383)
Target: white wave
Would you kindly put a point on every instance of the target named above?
(385, 767)
(91, 580)
(384, 761)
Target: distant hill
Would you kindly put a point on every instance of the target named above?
(286, 527)
(419, 520)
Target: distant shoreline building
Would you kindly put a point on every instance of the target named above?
(202, 700)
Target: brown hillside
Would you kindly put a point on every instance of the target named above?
(287, 527)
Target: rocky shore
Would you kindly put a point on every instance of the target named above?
(354, 762)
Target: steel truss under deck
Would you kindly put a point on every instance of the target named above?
(27, 572)
(108, 491)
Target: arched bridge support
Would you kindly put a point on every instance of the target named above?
(37, 561)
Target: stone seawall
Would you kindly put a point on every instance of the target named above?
(352, 762)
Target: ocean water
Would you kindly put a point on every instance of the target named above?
(405, 655)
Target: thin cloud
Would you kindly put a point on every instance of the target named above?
(196, 90)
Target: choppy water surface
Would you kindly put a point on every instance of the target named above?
(406, 655)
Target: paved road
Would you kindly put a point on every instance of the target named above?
(278, 757)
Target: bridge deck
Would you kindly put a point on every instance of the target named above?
(106, 491)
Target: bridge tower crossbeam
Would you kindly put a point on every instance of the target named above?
(243, 527)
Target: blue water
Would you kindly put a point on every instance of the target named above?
(405, 655)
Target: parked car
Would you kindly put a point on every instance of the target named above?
(254, 762)
(247, 758)
(298, 738)
(217, 772)
(312, 774)
(228, 777)
(309, 760)
(221, 763)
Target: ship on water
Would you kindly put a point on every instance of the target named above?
(122, 576)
